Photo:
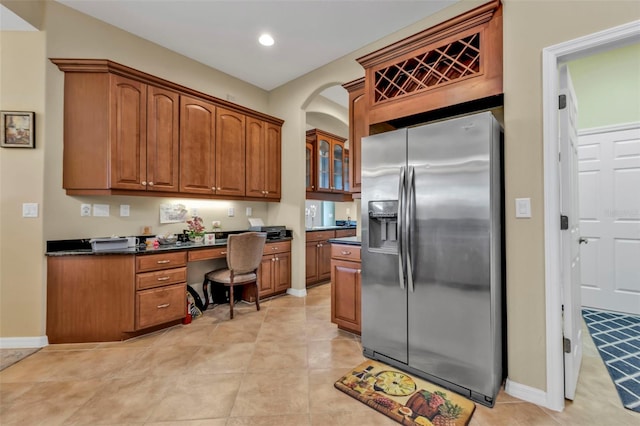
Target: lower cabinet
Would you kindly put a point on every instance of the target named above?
(346, 275)
(161, 285)
(318, 256)
(275, 271)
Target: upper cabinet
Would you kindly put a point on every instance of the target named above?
(457, 61)
(263, 159)
(130, 133)
(358, 129)
(327, 169)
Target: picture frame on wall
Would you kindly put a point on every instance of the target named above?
(18, 129)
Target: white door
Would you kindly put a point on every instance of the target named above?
(570, 238)
(609, 163)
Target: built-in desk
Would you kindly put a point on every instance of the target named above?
(117, 294)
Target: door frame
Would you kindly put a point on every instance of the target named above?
(552, 56)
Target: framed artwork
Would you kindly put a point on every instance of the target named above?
(18, 129)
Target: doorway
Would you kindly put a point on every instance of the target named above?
(552, 57)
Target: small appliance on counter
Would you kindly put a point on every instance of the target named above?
(346, 223)
(101, 244)
(273, 232)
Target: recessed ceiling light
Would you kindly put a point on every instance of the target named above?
(266, 40)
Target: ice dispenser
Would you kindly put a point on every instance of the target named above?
(383, 226)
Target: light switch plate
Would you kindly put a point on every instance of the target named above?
(101, 210)
(124, 210)
(523, 207)
(249, 211)
(29, 209)
(231, 212)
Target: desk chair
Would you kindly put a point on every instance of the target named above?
(244, 255)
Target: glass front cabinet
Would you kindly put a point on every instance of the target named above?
(331, 169)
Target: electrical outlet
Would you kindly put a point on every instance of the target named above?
(124, 210)
(249, 211)
(231, 212)
(85, 209)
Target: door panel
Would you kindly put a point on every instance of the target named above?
(384, 296)
(197, 146)
(273, 161)
(230, 152)
(255, 162)
(451, 333)
(609, 173)
(569, 239)
(163, 108)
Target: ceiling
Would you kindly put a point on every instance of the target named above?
(223, 33)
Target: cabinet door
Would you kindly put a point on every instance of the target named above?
(346, 173)
(273, 161)
(324, 164)
(311, 262)
(266, 285)
(255, 163)
(337, 169)
(230, 150)
(345, 294)
(282, 273)
(197, 146)
(163, 109)
(310, 166)
(357, 130)
(129, 133)
(324, 260)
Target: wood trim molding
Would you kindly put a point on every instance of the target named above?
(354, 84)
(107, 66)
(455, 25)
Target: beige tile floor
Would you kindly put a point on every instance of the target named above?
(273, 367)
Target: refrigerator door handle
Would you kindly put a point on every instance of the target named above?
(401, 202)
(410, 223)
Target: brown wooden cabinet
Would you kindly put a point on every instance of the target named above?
(230, 152)
(318, 256)
(346, 276)
(457, 61)
(358, 128)
(329, 158)
(160, 288)
(150, 136)
(310, 179)
(90, 298)
(197, 146)
(263, 159)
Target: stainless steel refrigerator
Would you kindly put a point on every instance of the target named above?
(432, 253)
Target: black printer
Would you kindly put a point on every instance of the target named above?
(274, 232)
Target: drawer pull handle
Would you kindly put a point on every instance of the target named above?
(163, 278)
(164, 305)
(345, 253)
(223, 252)
(164, 261)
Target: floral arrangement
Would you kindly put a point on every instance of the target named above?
(196, 227)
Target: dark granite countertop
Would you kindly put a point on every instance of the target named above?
(328, 228)
(352, 241)
(83, 247)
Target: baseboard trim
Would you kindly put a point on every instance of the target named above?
(23, 342)
(529, 394)
(296, 292)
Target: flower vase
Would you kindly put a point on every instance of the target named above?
(198, 239)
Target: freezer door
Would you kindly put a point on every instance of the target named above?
(384, 297)
(452, 324)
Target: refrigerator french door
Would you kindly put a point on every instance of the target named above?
(432, 252)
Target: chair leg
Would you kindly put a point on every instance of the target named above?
(231, 302)
(257, 297)
(205, 290)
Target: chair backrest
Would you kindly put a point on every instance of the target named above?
(244, 251)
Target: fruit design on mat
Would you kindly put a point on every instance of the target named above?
(449, 413)
(426, 404)
(394, 383)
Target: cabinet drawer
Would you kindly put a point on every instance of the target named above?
(160, 305)
(320, 235)
(204, 254)
(161, 278)
(346, 252)
(154, 262)
(280, 247)
(345, 233)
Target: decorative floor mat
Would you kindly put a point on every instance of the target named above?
(405, 399)
(617, 337)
